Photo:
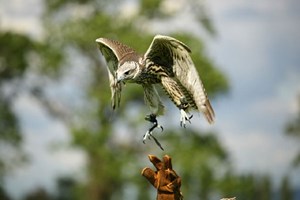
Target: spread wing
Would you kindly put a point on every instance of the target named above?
(113, 52)
(174, 57)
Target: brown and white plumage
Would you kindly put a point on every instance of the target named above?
(114, 53)
(173, 56)
(167, 62)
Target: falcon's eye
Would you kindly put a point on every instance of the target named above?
(127, 72)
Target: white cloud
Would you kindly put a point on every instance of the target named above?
(22, 17)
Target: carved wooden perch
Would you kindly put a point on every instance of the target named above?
(164, 179)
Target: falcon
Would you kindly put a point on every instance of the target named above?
(167, 62)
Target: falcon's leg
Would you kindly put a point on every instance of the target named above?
(183, 114)
(184, 118)
(152, 118)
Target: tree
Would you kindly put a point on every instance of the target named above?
(286, 192)
(3, 194)
(293, 129)
(17, 53)
(246, 186)
(110, 161)
(38, 194)
(14, 52)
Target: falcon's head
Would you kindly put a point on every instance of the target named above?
(128, 71)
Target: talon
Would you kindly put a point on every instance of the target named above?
(162, 129)
(147, 135)
(152, 118)
(184, 118)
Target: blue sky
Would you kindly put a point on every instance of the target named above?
(257, 46)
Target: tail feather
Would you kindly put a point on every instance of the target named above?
(209, 112)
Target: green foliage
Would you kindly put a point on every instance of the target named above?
(247, 186)
(150, 8)
(56, 4)
(13, 55)
(286, 192)
(293, 129)
(14, 51)
(9, 127)
(3, 194)
(38, 194)
(50, 57)
(114, 164)
(197, 158)
(109, 160)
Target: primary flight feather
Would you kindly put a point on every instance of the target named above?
(166, 62)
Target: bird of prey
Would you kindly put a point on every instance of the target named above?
(166, 62)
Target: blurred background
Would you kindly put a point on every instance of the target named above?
(59, 138)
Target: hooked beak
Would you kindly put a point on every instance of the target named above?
(119, 78)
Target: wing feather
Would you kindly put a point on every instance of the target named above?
(174, 57)
(114, 52)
